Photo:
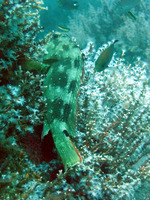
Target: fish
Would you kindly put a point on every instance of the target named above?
(63, 28)
(131, 15)
(104, 58)
(63, 66)
(62, 85)
(68, 4)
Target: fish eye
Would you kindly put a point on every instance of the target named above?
(66, 132)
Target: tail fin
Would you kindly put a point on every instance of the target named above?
(68, 152)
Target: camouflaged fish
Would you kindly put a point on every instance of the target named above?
(63, 65)
(104, 58)
(61, 89)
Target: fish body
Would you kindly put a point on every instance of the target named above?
(63, 28)
(131, 15)
(68, 4)
(61, 89)
(104, 58)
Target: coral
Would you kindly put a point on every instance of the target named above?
(19, 26)
(103, 22)
(92, 24)
(134, 36)
(23, 107)
(21, 115)
(22, 103)
(113, 135)
(98, 23)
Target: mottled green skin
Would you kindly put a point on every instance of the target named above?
(63, 65)
(61, 89)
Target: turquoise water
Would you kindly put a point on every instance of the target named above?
(74, 106)
(100, 22)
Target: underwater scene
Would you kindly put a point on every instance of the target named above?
(74, 100)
